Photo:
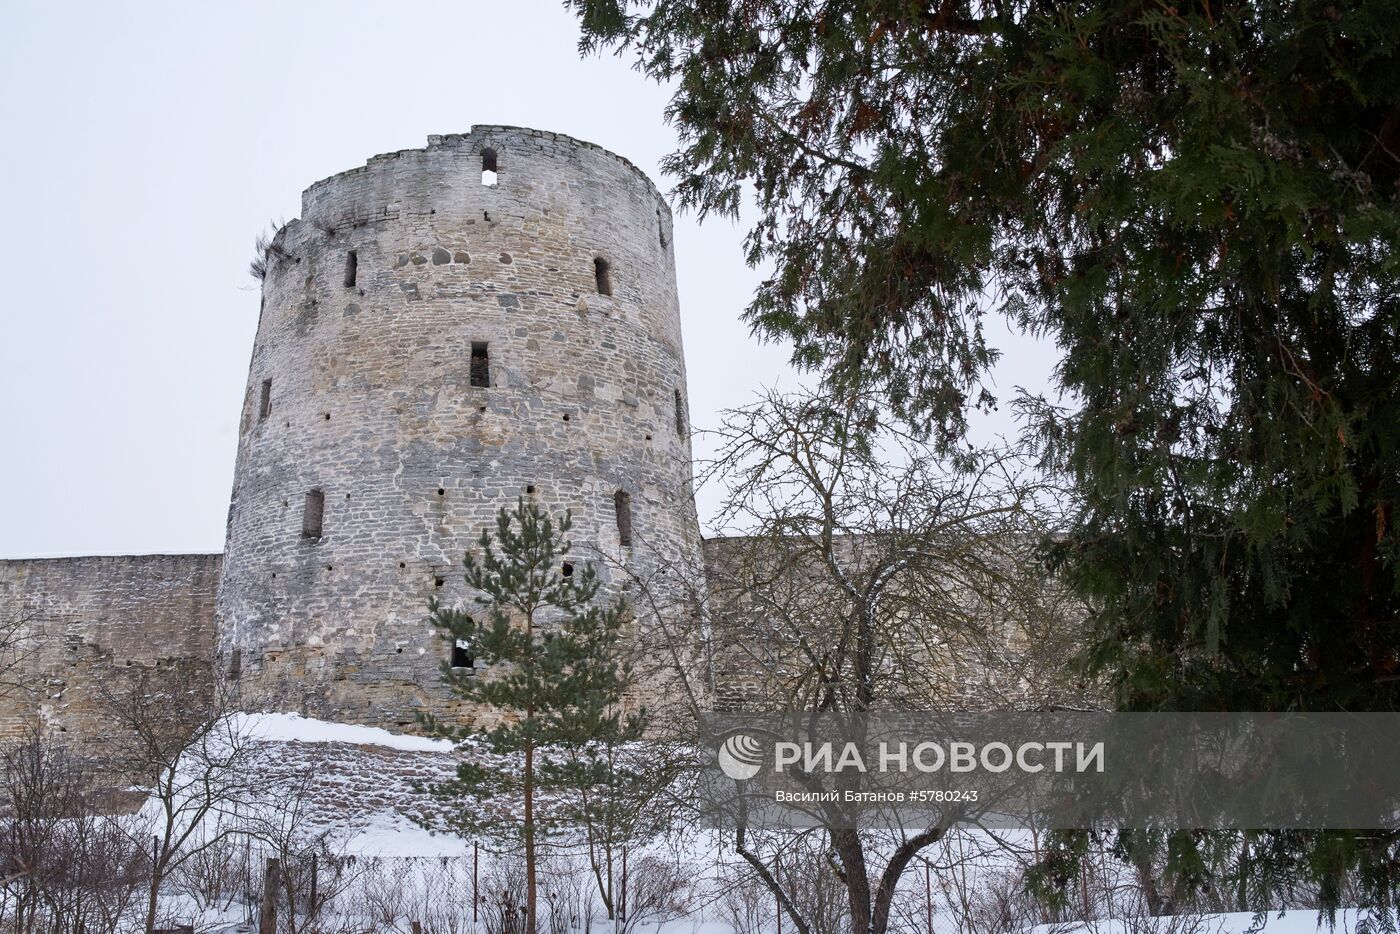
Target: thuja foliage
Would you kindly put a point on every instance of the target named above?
(1196, 202)
(550, 670)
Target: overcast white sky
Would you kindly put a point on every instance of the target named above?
(146, 144)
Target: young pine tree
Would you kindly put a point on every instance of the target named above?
(553, 670)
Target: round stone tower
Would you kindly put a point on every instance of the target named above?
(443, 331)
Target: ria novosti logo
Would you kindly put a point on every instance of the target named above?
(1055, 770)
(740, 756)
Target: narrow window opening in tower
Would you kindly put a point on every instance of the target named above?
(680, 414)
(265, 402)
(660, 229)
(462, 654)
(481, 364)
(312, 515)
(235, 664)
(568, 569)
(602, 273)
(488, 167)
(622, 505)
(352, 268)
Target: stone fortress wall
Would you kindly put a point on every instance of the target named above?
(443, 332)
(83, 621)
(435, 343)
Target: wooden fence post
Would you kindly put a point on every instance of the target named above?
(267, 923)
(928, 894)
(777, 896)
(622, 900)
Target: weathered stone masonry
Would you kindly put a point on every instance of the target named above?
(83, 619)
(431, 348)
(434, 343)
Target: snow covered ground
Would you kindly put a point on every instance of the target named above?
(294, 728)
(1292, 922)
(362, 787)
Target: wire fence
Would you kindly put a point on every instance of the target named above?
(968, 884)
(239, 885)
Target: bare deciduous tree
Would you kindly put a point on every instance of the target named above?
(65, 865)
(16, 645)
(313, 867)
(866, 573)
(172, 733)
